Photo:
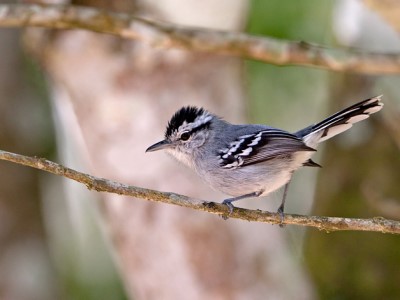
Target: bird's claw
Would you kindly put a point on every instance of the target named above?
(282, 215)
(230, 208)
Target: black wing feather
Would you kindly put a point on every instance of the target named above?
(261, 146)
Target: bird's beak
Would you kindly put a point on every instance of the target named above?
(159, 146)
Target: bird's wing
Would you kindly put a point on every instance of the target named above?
(259, 147)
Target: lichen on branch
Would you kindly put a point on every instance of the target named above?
(377, 224)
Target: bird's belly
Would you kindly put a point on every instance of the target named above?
(242, 181)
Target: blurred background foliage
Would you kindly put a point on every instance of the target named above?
(343, 265)
(301, 21)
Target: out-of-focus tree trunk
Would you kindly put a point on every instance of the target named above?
(25, 271)
(116, 97)
(362, 175)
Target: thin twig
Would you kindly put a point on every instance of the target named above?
(167, 35)
(377, 224)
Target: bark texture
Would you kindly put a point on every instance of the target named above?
(114, 98)
(376, 224)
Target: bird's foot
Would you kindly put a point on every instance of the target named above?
(230, 206)
(282, 215)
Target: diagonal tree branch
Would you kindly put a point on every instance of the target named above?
(377, 224)
(167, 35)
(388, 10)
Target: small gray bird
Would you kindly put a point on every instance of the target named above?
(251, 160)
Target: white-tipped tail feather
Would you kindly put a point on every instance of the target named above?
(340, 122)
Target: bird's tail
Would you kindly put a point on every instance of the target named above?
(339, 122)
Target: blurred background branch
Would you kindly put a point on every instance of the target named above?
(389, 10)
(168, 35)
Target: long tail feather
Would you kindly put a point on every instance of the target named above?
(340, 121)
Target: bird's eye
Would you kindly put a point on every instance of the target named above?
(185, 136)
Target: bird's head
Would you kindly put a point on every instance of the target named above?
(187, 130)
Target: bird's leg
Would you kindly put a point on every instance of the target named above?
(282, 206)
(228, 202)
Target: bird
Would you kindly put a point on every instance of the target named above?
(251, 160)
